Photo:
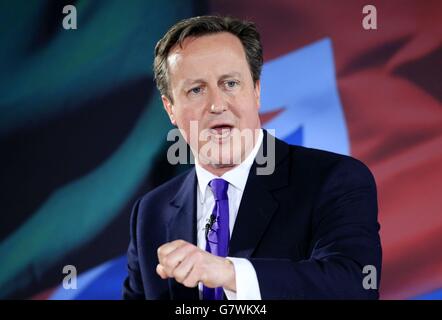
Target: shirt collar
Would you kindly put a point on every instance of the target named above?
(237, 177)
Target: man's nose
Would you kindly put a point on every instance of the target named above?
(217, 103)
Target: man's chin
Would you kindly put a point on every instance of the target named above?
(222, 162)
(222, 165)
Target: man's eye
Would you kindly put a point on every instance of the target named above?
(195, 90)
(231, 84)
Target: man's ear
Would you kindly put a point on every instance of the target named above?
(257, 90)
(168, 106)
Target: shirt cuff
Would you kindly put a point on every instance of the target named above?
(247, 286)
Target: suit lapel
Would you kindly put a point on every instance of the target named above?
(255, 212)
(182, 225)
(258, 204)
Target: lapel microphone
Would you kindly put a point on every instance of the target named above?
(209, 224)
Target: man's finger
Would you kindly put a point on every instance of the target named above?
(176, 257)
(168, 247)
(194, 276)
(161, 272)
(181, 272)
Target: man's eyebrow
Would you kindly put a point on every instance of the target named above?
(189, 82)
(230, 75)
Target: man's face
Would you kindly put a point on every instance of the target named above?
(211, 83)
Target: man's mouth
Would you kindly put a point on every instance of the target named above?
(221, 131)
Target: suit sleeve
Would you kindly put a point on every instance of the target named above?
(345, 238)
(133, 285)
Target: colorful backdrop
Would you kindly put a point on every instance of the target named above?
(83, 132)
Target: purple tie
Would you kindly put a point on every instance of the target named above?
(217, 237)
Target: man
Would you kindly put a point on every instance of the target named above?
(222, 230)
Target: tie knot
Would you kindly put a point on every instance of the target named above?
(219, 188)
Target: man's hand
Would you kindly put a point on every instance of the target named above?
(189, 265)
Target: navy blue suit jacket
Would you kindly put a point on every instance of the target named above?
(308, 229)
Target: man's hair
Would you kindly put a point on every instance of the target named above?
(204, 25)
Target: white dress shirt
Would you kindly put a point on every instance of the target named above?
(247, 286)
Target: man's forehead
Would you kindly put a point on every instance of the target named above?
(219, 54)
(205, 46)
(222, 38)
